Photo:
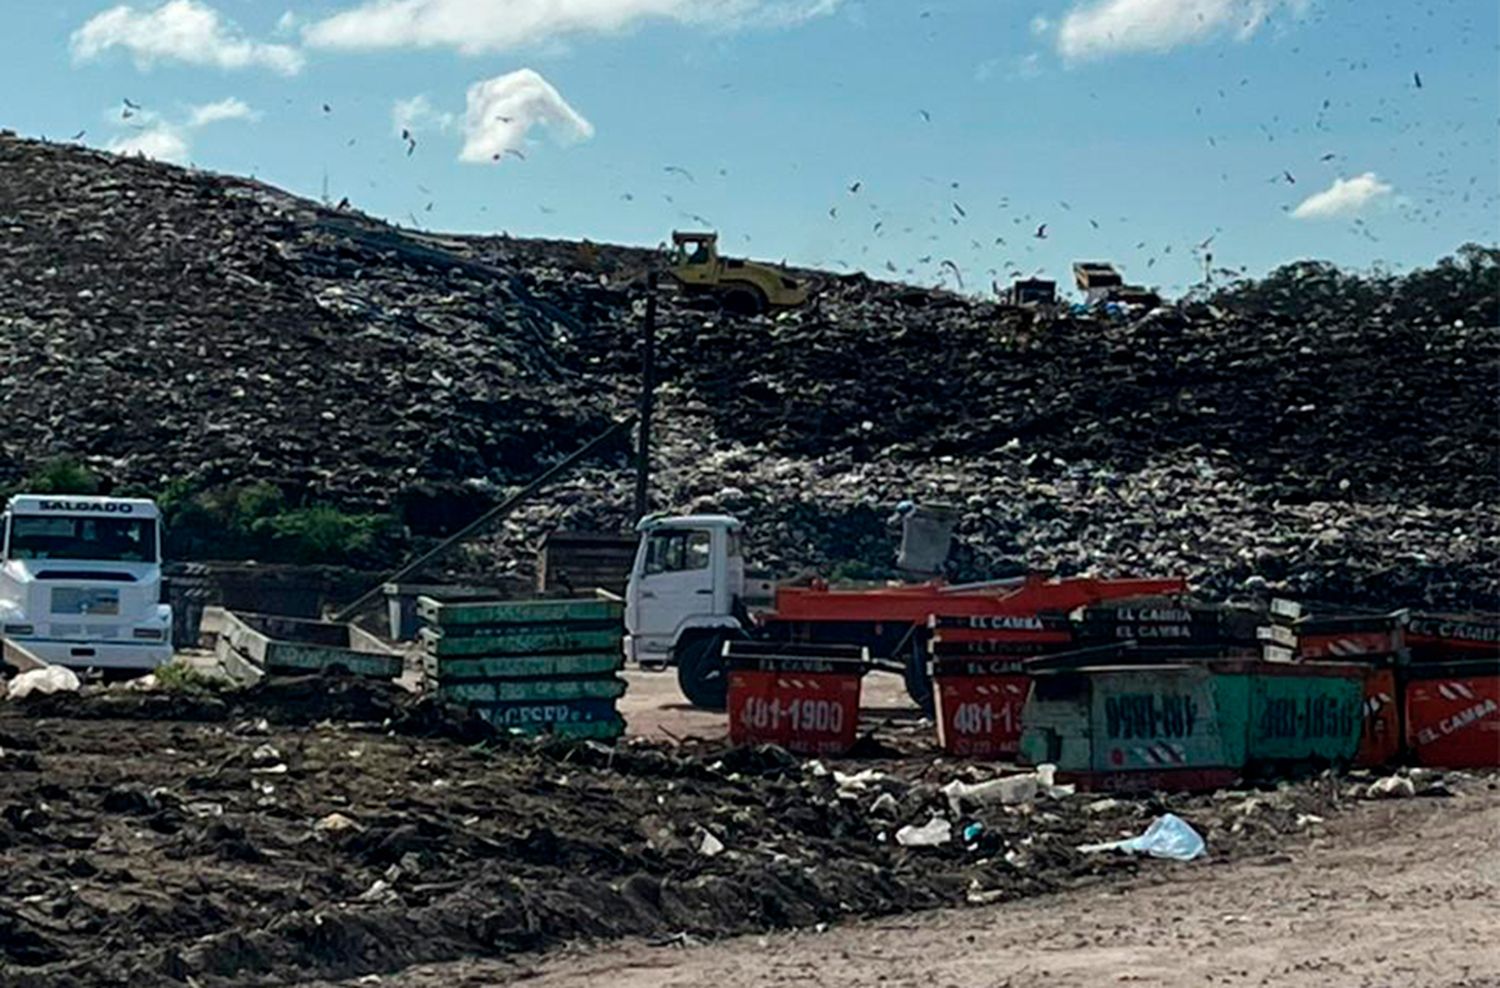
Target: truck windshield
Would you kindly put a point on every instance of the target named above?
(115, 540)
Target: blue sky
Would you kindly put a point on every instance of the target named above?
(1280, 129)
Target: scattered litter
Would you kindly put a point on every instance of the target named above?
(885, 805)
(1391, 787)
(335, 823)
(52, 679)
(933, 833)
(1169, 836)
(710, 846)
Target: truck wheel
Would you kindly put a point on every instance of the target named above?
(918, 681)
(701, 672)
(744, 300)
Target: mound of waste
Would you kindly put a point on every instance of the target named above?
(263, 840)
(191, 333)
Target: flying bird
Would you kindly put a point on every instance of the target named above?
(1041, 232)
(1094, 224)
(854, 189)
(1290, 180)
(959, 210)
(78, 136)
(129, 105)
(925, 115)
(957, 274)
(327, 108)
(678, 170)
(1328, 157)
(1417, 78)
(833, 212)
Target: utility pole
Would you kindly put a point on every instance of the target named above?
(648, 402)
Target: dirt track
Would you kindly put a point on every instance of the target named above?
(1398, 894)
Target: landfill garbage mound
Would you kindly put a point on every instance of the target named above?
(1328, 434)
(255, 839)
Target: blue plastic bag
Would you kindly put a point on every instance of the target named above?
(1169, 836)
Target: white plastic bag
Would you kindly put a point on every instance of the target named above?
(931, 834)
(52, 679)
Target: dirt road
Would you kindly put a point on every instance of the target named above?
(1398, 894)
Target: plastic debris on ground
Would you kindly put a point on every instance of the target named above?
(52, 679)
(1169, 836)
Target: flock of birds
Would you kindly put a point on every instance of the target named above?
(953, 215)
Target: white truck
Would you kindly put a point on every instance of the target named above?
(80, 581)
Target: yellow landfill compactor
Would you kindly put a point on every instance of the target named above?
(741, 286)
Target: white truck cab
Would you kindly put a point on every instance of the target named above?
(688, 577)
(80, 581)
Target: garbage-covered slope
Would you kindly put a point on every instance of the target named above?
(1331, 434)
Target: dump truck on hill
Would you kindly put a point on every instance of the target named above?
(80, 582)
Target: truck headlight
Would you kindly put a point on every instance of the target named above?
(149, 634)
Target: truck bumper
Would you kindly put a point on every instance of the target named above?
(142, 656)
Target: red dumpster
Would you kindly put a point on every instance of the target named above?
(803, 698)
(1380, 734)
(1453, 714)
(979, 704)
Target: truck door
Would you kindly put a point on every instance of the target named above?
(674, 583)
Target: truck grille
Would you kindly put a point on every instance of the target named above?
(97, 601)
(92, 632)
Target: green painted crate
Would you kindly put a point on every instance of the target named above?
(532, 643)
(447, 669)
(608, 688)
(436, 612)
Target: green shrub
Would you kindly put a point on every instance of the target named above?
(63, 475)
(176, 677)
(322, 533)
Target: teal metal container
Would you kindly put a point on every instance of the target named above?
(531, 667)
(1191, 725)
(1283, 714)
(1129, 728)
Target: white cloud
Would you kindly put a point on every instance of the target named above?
(154, 136)
(163, 142)
(1107, 27)
(184, 31)
(417, 114)
(502, 110)
(474, 26)
(1345, 197)
(224, 109)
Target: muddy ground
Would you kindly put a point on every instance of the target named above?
(322, 830)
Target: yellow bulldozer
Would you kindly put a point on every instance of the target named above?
(741, 286)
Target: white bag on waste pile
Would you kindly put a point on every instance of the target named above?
(1007, 791)
(53, 679)
(932, 833)
(1169, 836)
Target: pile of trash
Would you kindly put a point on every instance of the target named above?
(259, 836)
(1326, 434)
